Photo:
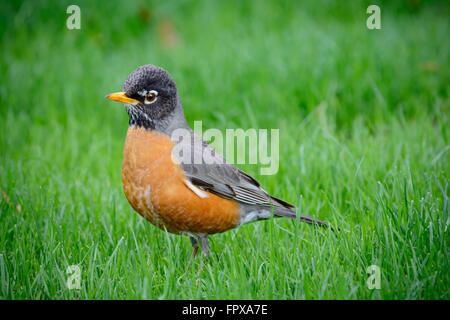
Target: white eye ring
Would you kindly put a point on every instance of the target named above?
(151, 97)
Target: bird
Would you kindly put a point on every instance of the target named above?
(194, 192)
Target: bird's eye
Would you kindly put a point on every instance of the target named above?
(151, 96)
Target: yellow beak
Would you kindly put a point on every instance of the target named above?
(121, 97)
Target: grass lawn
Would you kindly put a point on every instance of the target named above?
(364, 144)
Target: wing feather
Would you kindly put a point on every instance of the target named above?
(222, 178)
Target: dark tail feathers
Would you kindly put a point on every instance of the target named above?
(287, 213)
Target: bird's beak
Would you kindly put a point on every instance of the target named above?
(122, 97)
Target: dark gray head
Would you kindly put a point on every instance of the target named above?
(150, 96)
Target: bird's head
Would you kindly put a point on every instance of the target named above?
(149, 94)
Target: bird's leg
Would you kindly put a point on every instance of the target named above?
(194, 251)
(204, 243)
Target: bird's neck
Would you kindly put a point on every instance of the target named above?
(139, 119)
(174, 120)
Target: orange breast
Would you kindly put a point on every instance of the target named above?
(155, 187)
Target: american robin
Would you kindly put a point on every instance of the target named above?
(177, 181)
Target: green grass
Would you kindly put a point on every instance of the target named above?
(364, 144)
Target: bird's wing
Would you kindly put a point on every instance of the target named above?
(207, 170)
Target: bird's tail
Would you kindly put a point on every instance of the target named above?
(288, 213)
(288, 210)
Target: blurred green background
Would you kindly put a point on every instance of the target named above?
(364, 144)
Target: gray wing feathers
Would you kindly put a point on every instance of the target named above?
(227, 181)
(215, 175)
